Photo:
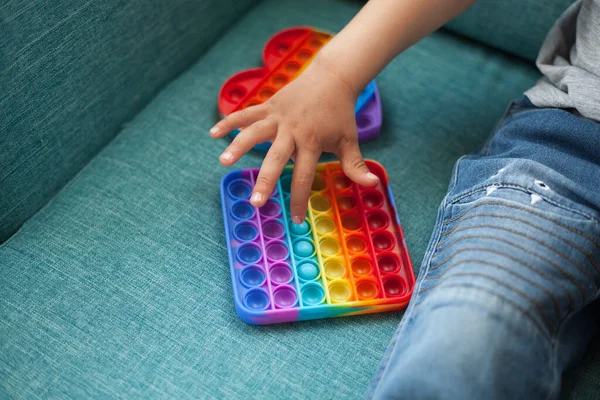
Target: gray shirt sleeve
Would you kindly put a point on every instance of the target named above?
(570, 62)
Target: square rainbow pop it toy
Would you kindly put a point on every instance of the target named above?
(285, 56)
(348, 257)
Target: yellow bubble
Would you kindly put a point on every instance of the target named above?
(320, 203)
(329, 247)
(334, 269)
(324, 225)
(339, 292)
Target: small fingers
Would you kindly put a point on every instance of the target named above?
(302, 179)
(256, 133)
(272, 166)
(354, 165)
(238, 119)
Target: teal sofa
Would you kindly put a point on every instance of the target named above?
(114, 277)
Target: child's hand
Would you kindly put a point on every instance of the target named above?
(312, 114)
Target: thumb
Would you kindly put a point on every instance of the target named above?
(353, 163)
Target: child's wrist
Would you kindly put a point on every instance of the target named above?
(324, 62)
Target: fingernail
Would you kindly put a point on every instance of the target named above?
(256, 197)
(372, 176)
(227, 156)
(214, 130)
(297, 219)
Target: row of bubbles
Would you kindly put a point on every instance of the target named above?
(308, 270)
(332, 249)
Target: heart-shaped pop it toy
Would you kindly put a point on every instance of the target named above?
(285, 56)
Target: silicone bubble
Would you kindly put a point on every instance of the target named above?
(319, 183)
(339, 291)
(300, 229)
(256, 299)
(388, 262)
(252, 275)
(366, 289)
(307, 270)
(276, 250)
(378, 219)
(291, 67)
(324, 225)
(242, 209)
(279, 80)
(316, 43)
(383, 240)
(265, 93)
(280, 273)
(270, 209)
(236, 94)
(393, 286)
(329, 247)
(372, 198)
(341, 181)
(356, 244)
(351, 221)
(312, 293)
(303, 247)
(346, 202)
(304, 54)
(334, 268)
(320, 203)
(284, 297)
(282, 48)
(273, 229)
(245, 231)
(239, 189)
(249, 253)
(361, 266)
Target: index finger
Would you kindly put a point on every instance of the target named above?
(238, 119)
(305, 167)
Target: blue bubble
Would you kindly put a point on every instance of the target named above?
(303, 248)
(252, 276)
(307, 271)
(312, 294)
(300, 229)
(240, 189)
(257, 300)
(249, 253)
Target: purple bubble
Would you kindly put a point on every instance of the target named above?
(273, 229)
(270, 209)
(280, 273)
(277, 251)
(284, 297)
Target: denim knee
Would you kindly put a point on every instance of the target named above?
(464, 344)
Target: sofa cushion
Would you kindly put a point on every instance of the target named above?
(120, 286)
(516, 26)
(73, 72)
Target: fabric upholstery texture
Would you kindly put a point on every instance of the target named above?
(515, 26)
(72, 72)
(120, 286)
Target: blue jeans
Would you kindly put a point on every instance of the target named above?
(507, 295)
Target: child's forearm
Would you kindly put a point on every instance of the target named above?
(381, 31)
